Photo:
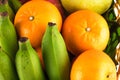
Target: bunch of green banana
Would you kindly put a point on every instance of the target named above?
(113, 41)
(4, 6)
(27, 62)
(7, 68)
(112, 17)
(15, 5)
(55, 55)
(8, 36)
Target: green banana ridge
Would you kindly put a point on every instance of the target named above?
(55, 55)
(27, 62)
(7, 67)
(15, 5)
(8, 36)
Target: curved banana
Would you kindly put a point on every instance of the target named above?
(55, 55)
(7, 67)
(15, 4)
(27, 62)
(8, 36)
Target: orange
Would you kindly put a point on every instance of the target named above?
(36, 0)
(32, 19)
(93, 65)
(39, 53)
(85, 29)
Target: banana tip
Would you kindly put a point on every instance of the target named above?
(51, 23)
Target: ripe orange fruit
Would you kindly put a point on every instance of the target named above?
(36, 0)
(32, 19)
(93, 65)
(39, 52)
(85, 29)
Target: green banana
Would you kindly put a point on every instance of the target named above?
(113, 41)
(55, 55)
(27, 62)
(4, 6)
(8, 36)
(15, 4)
(7, 68)
(111, 17)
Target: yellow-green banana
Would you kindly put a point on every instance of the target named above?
(27, 62)
(7, 68)
(4, 6)
(55, 55)
(8, 36)
(113, 20)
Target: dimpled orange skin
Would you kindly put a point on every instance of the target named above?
(85, 29)
(32, 19)
(93, 65)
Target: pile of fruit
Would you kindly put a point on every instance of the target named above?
(59, 39)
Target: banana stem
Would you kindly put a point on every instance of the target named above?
(3, 2)
(23, 39)
(51, 24)
(22, 43)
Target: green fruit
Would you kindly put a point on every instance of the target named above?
(8, 36)
(27, 62)
(55, 55)
(113, 41)
(15, 4)
(99, 6)
(7, 68)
